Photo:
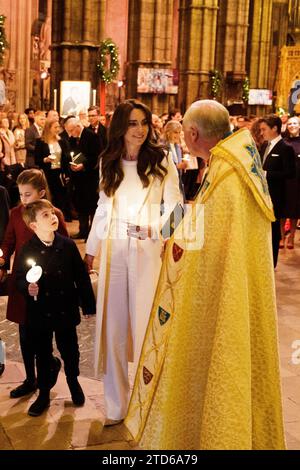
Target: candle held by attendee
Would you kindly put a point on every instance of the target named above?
(55, 99)
(94, 97)
(34, 273)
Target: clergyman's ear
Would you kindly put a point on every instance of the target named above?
(194, 133)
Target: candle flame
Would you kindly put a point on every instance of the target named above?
(1, 253)
(31, 262)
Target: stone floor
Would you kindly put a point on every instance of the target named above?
(67, 427)
(63, 426)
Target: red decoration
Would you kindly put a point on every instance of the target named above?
(147, 375)
(177, 252)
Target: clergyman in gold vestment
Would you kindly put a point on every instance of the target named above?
(208, 376)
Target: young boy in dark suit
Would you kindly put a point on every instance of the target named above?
(53, 301)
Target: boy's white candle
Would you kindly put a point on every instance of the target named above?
(94, 97)
(34, 273)
(1, 253)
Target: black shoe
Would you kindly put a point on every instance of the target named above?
(54, 371)
(24, 389)
(77, 394)
(2, 367)
(40, 405)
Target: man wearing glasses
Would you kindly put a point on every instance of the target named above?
(96, 126)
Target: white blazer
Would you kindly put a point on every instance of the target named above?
(147, 252)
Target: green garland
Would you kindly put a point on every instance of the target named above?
(216, 80)
(245, 87)
(3, 41)
(108, 74)
(281, 111)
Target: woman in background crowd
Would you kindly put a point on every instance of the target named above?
(172, 133)
(52, 156)
(292, 207)
(19, 134)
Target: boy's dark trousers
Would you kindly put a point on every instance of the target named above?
(29, 353)
(67, 344)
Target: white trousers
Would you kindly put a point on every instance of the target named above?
(120, 316)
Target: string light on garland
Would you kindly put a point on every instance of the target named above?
(281, 112)
(108, 74)
(216, 80)
(246, 88)
(3, 41)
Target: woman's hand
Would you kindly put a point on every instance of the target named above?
(33, 289)
(138, 231)
(88, 261)
(47, 159)
(77, 167)
(182, 165)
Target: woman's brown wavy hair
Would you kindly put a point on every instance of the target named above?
(150, 156)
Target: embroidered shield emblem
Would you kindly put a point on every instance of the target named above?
(177, 252)
(147, 375)
(163, 316)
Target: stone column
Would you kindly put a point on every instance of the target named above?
(232, 47)
(260, 41)
(149, 45)
(259, 48)
(17, 67)
(294, 19)
(78, 27)
(196, 48)
(279, 32)
(116, 27)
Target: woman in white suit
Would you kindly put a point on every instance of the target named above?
(136, 176)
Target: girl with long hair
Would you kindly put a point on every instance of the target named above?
(52, 156)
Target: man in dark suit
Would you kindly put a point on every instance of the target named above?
(279, 164)
(96, 126)
(85, 173)
(33, 133)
